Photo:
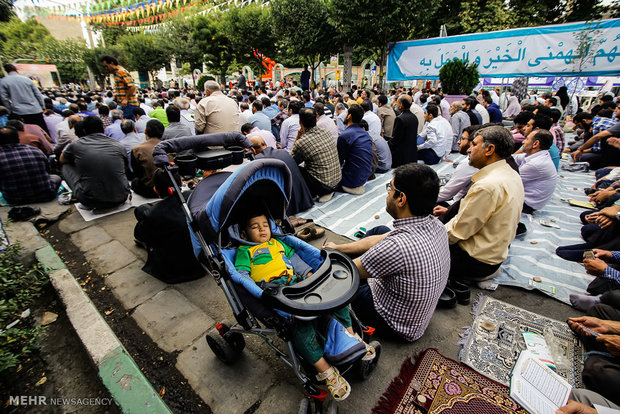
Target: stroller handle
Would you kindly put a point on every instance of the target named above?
(331, 287)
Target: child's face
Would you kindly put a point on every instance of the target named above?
(258, 230)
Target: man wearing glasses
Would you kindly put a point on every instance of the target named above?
(407, 268)
(487, 219)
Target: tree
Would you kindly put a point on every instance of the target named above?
(178, 41)
(143, 53)
(92, 58)
(67, 55)
(311, 37)
(580, 10)
(249, 30)
(6, 10)
(22, 40)
(392, 20)
(110, 34)
(210, 37)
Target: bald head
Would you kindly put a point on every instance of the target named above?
(404, 101)
(74, 119)
(258, 144)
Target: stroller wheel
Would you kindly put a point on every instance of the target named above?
(234, 339)
(304, 406)
(311, 406)
(222, 349)
(363, 369)
(332, 407)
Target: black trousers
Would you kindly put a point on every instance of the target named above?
(316, 187)
(602, 373)
(612, 298)
(465, 267)
(36, 119)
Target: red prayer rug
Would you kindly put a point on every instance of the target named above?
(436, 384)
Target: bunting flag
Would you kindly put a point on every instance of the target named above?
(126, 14)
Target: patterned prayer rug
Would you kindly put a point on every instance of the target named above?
(436, 384)
(493, 343)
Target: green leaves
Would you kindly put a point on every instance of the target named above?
(22, 40)
(67, 55)
(304, 28)
(21, 286)
(6, 10)
(144, 53)
(458, 77)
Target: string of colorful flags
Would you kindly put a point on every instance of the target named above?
(138, 14)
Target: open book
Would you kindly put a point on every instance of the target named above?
(536, 387)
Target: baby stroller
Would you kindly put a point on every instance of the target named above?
(213, 211)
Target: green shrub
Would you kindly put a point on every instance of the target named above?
(458, 77)
(200, 85)
(19, 289)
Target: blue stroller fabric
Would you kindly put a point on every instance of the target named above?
(341, 347)
(309, 254)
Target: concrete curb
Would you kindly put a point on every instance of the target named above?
(128, 386)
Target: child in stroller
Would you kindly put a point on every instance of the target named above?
(269, 260)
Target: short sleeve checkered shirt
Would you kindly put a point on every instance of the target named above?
(409, 271)
(122, 82)
(24, 176)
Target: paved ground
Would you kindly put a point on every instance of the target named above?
(177, 317)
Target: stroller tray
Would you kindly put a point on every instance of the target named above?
(331, 287)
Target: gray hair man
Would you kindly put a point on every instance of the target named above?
(216, 112)
(114, 130)
(459, 121)
(488, 216)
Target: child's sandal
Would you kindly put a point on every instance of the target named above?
(337, 385)
(370, 350)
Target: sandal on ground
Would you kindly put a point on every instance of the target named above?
(370, 350)
(310, 233)
(337, 385)
(298, 221)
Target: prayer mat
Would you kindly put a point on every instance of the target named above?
(346, 213)
(533, 254)
(134, 201)
(436, 384)
(493, 343)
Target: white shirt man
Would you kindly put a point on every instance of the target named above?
(483, 112)
(537, 170)
(437, 135)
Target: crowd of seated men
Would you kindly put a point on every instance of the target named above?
(444, 239)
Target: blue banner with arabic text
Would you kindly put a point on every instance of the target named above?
(559, 50)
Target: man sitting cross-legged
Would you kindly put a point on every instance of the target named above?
(94, 166)
(407, 268)
(487, 220)
(24, 171)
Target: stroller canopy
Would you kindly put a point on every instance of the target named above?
(263, 183)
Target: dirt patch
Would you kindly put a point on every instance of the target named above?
(158, 366)
(61, 366)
